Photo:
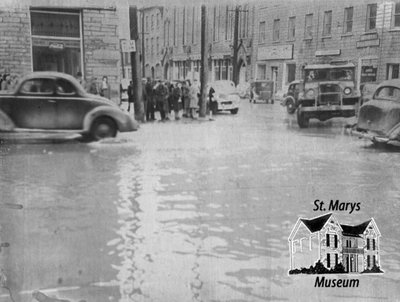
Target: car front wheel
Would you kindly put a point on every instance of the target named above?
(290, 106)
(302, 121)
(103, 127)
(234, 111)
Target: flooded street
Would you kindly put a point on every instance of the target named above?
(190, 210)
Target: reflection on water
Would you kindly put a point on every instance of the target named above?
(159, 222)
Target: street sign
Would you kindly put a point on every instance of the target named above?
(128, 46)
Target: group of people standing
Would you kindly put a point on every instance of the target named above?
(8, 81)
(92, 86)
(166, 97)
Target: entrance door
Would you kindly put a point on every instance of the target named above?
(274, 77)
(166, 68)
(242, 74)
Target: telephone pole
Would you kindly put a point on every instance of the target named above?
(235, 45)
(235, 75)
(135, 63)
(204, 65)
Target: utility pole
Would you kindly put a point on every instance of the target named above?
(204, 65)
(235, 45)
(143, 56)
(135, 64)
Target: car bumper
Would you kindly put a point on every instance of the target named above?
(332, 110)
(375, 138)
(128, 124)
(224, 105)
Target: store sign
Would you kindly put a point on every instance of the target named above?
(55, 24)
(367, 43)
(368, 73)
(56, 46)
(128, 45)
(276, 52)
(327, 52)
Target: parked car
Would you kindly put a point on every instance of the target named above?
(290, 99)
(379, 118)
(225, 96)
(367, 91)
(262, 90)
(56, 102)
(243, 89)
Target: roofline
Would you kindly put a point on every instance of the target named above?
(376, 226)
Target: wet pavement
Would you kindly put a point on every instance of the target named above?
(190, 210)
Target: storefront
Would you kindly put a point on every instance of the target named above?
(56, 41)
(276, 63)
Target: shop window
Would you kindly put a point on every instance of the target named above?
(348, 20)
(327, 23)
(291, 72)
(56, 41)
(392, 71)
(371, 17)
(308, 26)
(261, 72)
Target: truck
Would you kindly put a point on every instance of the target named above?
(329, 91)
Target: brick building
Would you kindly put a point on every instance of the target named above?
(67, 36)
(179, 41)
(292, 33)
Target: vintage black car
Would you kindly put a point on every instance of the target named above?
(290, 99)
(379, 118)
(56, 102)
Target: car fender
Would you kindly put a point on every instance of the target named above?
(394, 133)
(123, 120)
(6, 124)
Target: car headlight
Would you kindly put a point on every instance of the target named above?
(347, 91)
(310, 94)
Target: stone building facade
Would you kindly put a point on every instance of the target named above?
(70, 37)
(292, 33)
(180, 41)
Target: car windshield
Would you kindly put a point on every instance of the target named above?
(388, 93)
(334, 74)
(224, 87)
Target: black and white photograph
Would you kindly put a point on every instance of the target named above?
(187, 151)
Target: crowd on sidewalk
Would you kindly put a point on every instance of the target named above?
(175, 99)
(8, 81)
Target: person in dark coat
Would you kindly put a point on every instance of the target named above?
(186, 98)
(176, 99)
(161, 93)
(131, 95)
(150, 100)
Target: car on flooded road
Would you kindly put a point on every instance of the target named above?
(291, 97)
(224, 96)
(55, 102)
(379, 118)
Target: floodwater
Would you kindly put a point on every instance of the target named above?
(190, 211)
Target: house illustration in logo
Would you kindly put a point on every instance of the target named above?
(324, 239)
